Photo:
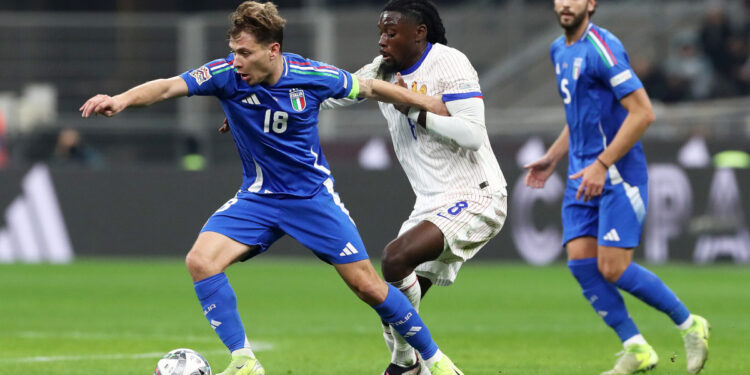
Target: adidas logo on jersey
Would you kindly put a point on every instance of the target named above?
(612, 236)
(348, 250)
(252, 99)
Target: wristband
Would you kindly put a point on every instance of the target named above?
(414, 114)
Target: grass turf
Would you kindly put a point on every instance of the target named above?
(119, 316)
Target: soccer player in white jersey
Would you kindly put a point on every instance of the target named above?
(607, 110)
(272, 100)
(460, 191)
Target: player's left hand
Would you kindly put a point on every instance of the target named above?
(592, 184)
(403, 108)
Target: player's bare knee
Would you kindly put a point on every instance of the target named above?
(395, 257)
(394, 270)
(366, 292)
(370, 291)
(610, 270)
(198, 266)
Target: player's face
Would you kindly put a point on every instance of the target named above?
(571, 13)
(252, 60)
(398, 43)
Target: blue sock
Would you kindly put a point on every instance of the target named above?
(649, 288)
(603, 297)
(220, 308)
(400, 314)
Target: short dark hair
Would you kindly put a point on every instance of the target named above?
(421, 12)
(261, 20)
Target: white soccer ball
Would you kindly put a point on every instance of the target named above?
(182, 362)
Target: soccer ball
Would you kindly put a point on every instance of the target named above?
(182, 362)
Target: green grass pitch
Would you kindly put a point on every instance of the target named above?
(119, 316)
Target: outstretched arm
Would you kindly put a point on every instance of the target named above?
(139, 96)
(371, 70)
(386, 92)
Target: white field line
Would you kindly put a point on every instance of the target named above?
(77, 335)
(257, 346)
(95, 357)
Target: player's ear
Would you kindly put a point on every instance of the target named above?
(421, 33)
(274, 50)
(591, 7)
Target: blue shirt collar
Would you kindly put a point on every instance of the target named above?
(586, 32)
(418, 63)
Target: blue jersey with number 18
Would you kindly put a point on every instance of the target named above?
(275, 126)
(593, 74)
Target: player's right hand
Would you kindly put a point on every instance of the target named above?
(102, 105)
(539, 172)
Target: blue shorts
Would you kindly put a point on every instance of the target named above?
(615, 218)
(320, 223)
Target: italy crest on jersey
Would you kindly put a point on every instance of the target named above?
(577, 67)
(297, 96)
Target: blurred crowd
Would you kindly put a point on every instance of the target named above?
(708, 59)
(711, 61)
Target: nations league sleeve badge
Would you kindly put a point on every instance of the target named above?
(201, 75)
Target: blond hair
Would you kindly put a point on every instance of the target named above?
(260, 20)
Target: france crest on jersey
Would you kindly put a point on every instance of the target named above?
(593, 74)
(275, 126)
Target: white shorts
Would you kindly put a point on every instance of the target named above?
(468, 222)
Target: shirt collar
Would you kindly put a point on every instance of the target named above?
(418, 63)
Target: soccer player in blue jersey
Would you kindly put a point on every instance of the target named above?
(604, 205)
(272, 100)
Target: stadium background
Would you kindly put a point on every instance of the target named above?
(139, 185)
(692, 56)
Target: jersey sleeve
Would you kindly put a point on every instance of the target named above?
(371, 70)
(612, 65)
(210, 79)
(460, 80)
(345, 85)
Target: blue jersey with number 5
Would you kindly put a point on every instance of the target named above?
(275, 126)
(593, 74)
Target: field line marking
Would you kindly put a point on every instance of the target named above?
(257, 346)
(78, 335)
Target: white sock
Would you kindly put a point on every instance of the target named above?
(435, 358)
(246, 351)
(637, 339)
(403, 354)
(687, 323)
(387, 336)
